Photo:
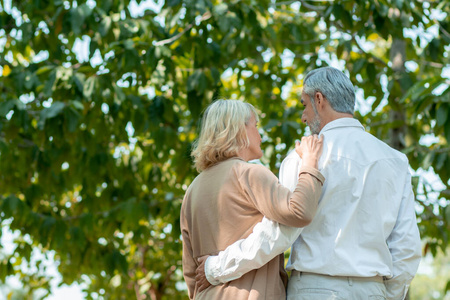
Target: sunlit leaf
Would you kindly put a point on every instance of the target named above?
(6, 70)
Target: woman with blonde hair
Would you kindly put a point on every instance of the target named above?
(230, 196)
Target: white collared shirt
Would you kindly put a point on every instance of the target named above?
(365, 224)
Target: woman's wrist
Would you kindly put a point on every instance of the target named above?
(310, 161)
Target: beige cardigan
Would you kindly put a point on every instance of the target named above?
(224, 203)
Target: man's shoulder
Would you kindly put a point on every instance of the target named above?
(292, 156)
(382, 150)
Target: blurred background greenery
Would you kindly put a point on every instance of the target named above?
(100, 102)
(431, 280)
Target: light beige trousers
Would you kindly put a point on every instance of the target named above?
(309, 286)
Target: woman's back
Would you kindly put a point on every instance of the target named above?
(219, 208)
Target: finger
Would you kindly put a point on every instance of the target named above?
(199, 275)
(202, 282)
(202, 259)
(321, 138)
(199, 269)
(202, 287)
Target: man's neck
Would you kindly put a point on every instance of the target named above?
(334, 116)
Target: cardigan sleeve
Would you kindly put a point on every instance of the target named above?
(189, 264)
(277, 202)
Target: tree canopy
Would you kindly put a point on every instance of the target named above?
(100, 104)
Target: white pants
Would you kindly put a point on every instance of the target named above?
(309, 286)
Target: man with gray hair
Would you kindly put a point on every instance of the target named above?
(364, 241)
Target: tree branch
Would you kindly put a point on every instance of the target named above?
(284, 3)
(443, 150)
(300, 42)
(205, 16)
(312, 7)
(430, 210)
(432, 64)
(445, 32)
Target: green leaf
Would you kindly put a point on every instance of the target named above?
(119, 94)
(151, 59)
(60, 234)
(447, 213)
(447, 130)
(72, 118)
(162, 51)
(49, 84)
(442, 114)
(105, 25)
(79, 79)
(119, 262)
(427, 162)
(293, 124)
(77, 237)
(272, 123)
(215, 74)
(44, 69)
(441, 158)
(6, 107)
(78, 16)
(358, 65)
(10, 205)
(50, 112)
(405, 82)
(347, 20)
(371, 72)
(76, 104)
(195, 104)
(220, 9)
(89, 87)
(30, 81)
(197, 81)
(419, 89)
(172, 2)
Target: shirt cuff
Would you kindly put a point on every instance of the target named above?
(313, 172)
(210, 270)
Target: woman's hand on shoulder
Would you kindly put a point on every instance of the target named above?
(310, 149)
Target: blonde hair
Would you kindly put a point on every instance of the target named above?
(223, 132)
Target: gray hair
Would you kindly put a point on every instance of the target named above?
(334, 85)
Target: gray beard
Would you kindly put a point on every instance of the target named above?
(314, 125)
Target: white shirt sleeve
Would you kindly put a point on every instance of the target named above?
(289, 169)
(404, 245)
(267, 240)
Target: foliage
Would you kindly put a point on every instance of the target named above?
(430, 284)
(95, 149)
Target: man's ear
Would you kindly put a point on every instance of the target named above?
(319, 99)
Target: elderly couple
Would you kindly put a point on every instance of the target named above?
(343, 201)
